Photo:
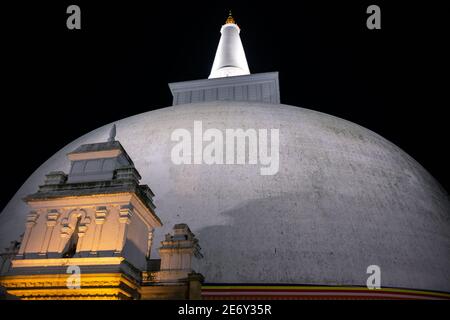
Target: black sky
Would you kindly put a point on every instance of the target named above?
(60, 84)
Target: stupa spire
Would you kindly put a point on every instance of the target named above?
(230, 57)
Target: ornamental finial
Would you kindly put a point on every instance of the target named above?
(112, 133)
(230, 19)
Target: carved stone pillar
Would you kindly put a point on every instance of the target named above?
(125, 214)
(68, 226)
(52, 218)
(149, 242)
(31, 221)
(82, 228)
(100, 218)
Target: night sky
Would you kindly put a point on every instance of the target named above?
(60, 84)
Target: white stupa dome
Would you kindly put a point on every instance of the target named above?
(344, 198)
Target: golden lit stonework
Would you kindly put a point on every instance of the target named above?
(89, 234)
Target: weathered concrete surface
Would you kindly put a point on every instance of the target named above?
(344, 198)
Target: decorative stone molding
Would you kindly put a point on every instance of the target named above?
(55, 178)
(68, 226)
(100, 218)
(32, 218)
(125, 213)
(52, 219)
(100, 214)
(76, 213)
(127, 173)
